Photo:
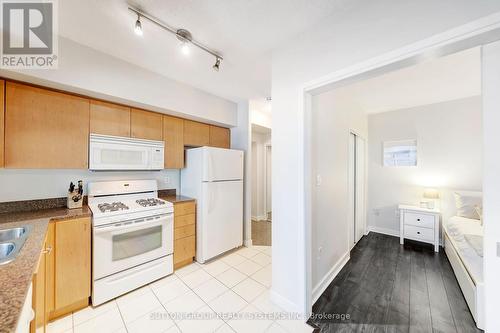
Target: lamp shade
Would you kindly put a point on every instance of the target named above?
(431, 193)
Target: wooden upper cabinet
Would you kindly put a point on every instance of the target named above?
(173, 135)
(45, 129)
(2, 117)
(196, 134)
(146, 125)
(109, 119)
(220, 137)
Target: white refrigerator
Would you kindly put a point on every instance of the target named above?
(214, 177)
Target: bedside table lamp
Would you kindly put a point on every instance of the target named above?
(431, 194)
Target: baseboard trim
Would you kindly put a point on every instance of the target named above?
(328, 278)
(283, 302)
(385, 231)
(248, 242)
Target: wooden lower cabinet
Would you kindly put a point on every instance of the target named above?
(61, 283)
(39, 297)
(184, 233)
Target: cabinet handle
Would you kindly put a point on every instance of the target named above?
(48, 250)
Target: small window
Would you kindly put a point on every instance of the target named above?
(400, 153)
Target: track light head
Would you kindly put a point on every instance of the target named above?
(138, 26)
(216, 66)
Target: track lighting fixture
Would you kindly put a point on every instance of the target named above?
(182, 34)
(216, 67)
(138, 26)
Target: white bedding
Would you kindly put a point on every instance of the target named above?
(456, 228)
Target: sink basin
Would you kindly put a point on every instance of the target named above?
(10, 234)
(6, 249)
(11, 242)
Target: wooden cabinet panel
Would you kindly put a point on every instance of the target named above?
(2, 118)
(180, 221)
(220, 137)
(173, 136)
(184, 208)
(50, 269)
(72, 259)
(182, 232)
(146, 125)
(196, 134)
(109, 119)
(39, 294)
(184, 249)
(45, 129)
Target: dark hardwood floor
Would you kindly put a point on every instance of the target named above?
(386, 287)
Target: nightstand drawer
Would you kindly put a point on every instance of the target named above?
(419, 220)
(417, 233)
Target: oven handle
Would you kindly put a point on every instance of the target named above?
(125, 225)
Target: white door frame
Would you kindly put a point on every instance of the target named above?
(266, 147)
(351, 233)
(479, 32)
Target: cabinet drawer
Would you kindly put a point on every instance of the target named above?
(419, 220)
(184, 208)
(181, 221)
(417, 233)
(181, 232)
(184, 248)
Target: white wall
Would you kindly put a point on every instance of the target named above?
(87, 71)
(331, 124)
(241, 139)
(42, 184)
(259, 142)
(491, 184)
(449, 156)
(360, 31)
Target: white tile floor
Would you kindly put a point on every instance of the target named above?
(229, 294)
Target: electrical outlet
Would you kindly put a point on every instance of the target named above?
(376, 212)
(498, 249)
(167, 180)
(319, 180)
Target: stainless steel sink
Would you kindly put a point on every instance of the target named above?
(11, 242)
(14, 233)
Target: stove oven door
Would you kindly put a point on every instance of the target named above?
(123, 245)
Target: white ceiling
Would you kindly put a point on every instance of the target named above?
(443, 79)
(243, 31)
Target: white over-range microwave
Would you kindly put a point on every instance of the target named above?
(119, 153)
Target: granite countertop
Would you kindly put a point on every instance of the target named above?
(16, 276)
(176, 198)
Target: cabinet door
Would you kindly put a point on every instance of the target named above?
(184, 250)
(173, 135)
(146, 125)
(50, 269)
(196, 134)
(109, 119)
(219, 137)
(45, 129)
(72, 262)
(39, 294)
(2, 117)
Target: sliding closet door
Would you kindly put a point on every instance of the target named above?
(360, 183)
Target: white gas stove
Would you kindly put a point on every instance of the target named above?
(132, 236)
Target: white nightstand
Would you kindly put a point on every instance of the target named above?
(420, 224)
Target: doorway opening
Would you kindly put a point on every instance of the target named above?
(357, 187)
(261, 185)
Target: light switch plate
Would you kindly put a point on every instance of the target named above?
(498, 249)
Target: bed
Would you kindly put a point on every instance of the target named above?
(462, 238)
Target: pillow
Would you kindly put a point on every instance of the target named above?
(479, 212)
(466, 203)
